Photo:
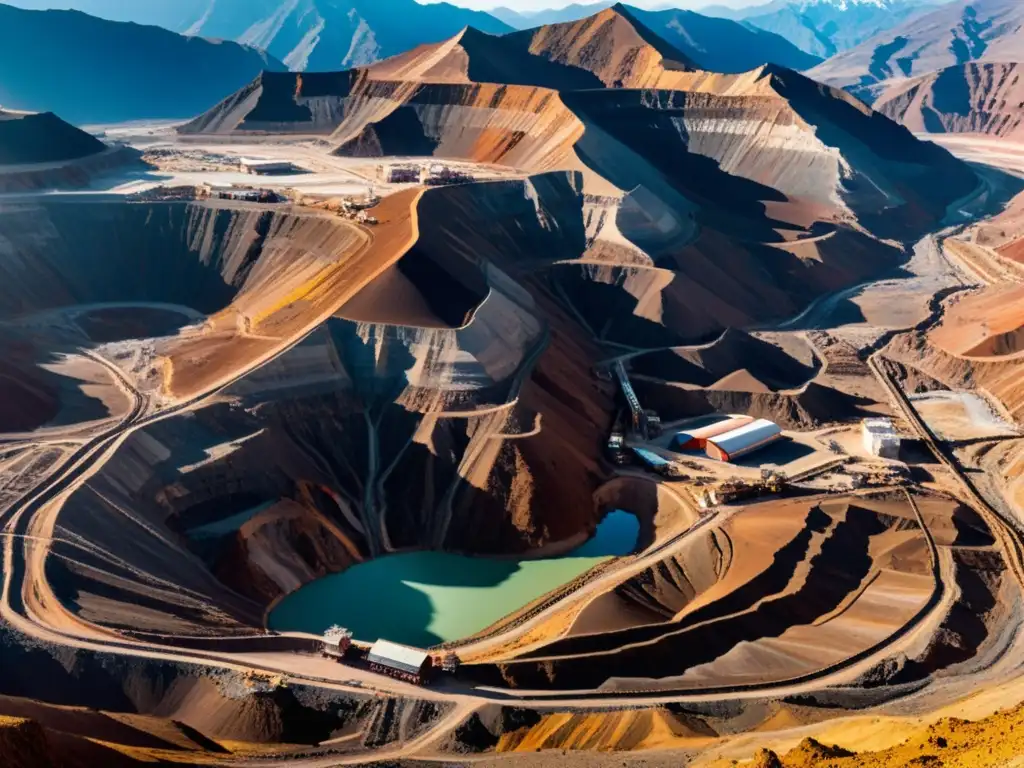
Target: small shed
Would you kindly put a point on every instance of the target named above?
(651, 459)
(337, 640)
(744, 440)
(400, 661)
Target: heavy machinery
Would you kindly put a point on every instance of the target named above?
(737, 489)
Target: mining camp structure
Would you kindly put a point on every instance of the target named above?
(400, 661)
(880, 438)
(259, 167)
(743, 440)
(336, 643)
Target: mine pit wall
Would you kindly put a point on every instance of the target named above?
(519, 126)
(199, 255)
(714, 283)
(161, 578)
(926, 177)
(537, 480)
(220, 704)
(1002, 379)
(71, 174)
(810, 407)
(461, 482)
(859, 161)
(802, 584)
(281, 102)
(731, 131)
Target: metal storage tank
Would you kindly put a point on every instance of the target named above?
(696, 439)
(746, 439)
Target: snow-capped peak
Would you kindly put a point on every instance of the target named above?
(843, 5)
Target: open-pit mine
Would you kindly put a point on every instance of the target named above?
(527, 394)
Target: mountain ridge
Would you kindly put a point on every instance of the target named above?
(954, 34)
(92, 70)
(304, 34)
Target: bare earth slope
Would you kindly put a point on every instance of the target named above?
(208, 404)
(980, 97)
(714, 200)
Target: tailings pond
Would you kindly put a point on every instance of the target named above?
(425, 598)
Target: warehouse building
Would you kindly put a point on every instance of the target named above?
(880, 438)
(696, 439)
(742, 441)
(268, 167)
(400, 661)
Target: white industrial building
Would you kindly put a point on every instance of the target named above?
(267, 167)
(881, 438)
(400, 661)
(743, 440)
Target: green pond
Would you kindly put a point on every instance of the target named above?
(425, 598)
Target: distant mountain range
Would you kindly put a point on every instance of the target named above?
(979, 97)
(90, 70)
(819, 28)
(954, 34)
(827, 27)
(718, 44)
(304, 34)
(956, 69)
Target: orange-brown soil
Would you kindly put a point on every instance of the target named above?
(799, 583)
(987, 324)
(282, 297)
(996, 741)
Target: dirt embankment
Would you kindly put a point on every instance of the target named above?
(999, 376)
(989, 742)
(519, 126)
(62, 707)
(767, 367)
(767, 585)
(258, 273)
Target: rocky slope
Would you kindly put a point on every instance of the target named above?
(711, 200)
(951, 35)
(90, 70)
(978, 97)
(408, 105)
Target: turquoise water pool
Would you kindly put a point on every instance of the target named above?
(424, 598)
